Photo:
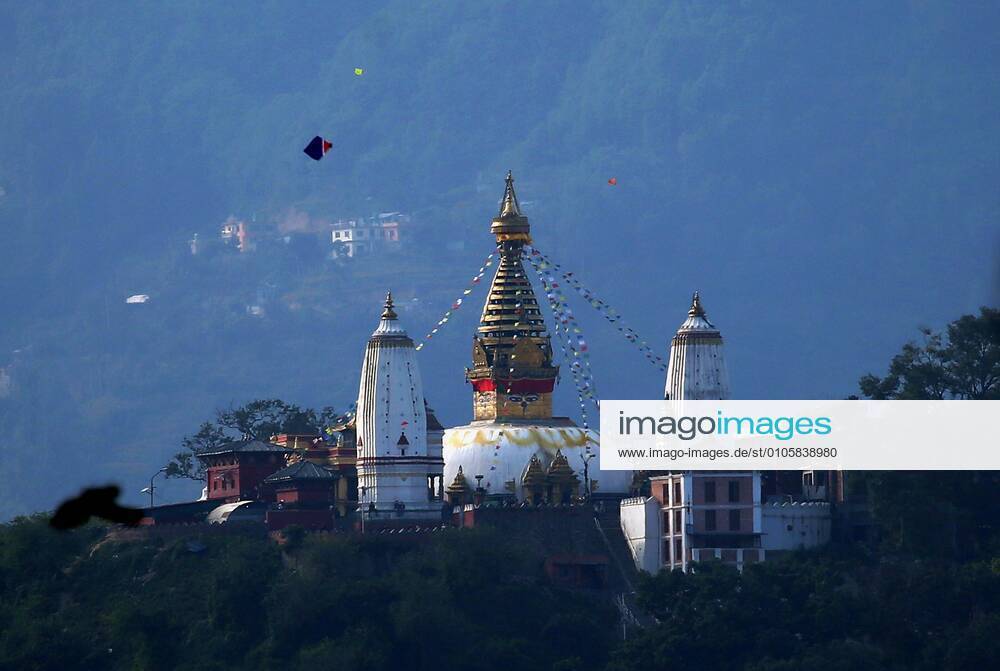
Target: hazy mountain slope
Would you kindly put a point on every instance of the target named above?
(826, 175)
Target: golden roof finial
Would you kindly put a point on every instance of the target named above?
(459, 485)
(388, 312)
(696, 309)
(509, 207)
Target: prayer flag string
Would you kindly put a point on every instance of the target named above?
(541, 263)
(570, 337)
(457, 303)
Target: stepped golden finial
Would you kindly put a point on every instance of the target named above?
(696, 309)
(509, 207)
(388, 312)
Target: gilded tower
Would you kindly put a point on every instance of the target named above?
(514, 448)
(512, 373)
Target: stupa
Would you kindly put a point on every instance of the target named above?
(514, 448)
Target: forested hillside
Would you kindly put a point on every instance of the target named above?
(466, 599)
(824, 173)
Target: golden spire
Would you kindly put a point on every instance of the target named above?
(459, 486)
(388, 312)
(512, 373)
(533, 475)
(696, 309)
(509, 206)
(510, 225)
(560, 471)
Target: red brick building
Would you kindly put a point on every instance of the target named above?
(235, 471)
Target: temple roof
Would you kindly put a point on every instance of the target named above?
(432, 421)
(302, 470)
(560, 470)
(459, 485)
(388, 325)
(243, 447)
(697, 364)
(697, 320)
(533, 475)
(511, 308)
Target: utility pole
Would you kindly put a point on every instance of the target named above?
(364, 491)
(586, 473)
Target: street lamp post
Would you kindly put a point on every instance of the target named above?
(162, 470)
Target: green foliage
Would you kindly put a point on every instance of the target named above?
(810, 611)
(941, 514)
(260, 419)
(963, 364)
(467, 599)
(464, 600)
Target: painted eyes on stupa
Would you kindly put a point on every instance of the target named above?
(528, 398)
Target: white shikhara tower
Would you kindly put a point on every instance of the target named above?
(399, 469)
(697, 369)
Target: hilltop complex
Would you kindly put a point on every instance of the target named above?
(392, 466)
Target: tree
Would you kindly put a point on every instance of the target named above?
(184, 464)
(914, 508)
(258, 420)
(964, 363)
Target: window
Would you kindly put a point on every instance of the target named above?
(710, 491)
(678, 522)
(677, 493)
(678, 551)
(734, 520)
(709, 520)
(734, 491)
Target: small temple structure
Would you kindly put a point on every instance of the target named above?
(697, 367)
(399, 463)
(514, 449)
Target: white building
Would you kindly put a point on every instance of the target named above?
(792, 525)
(697, 368)
(641, 525)
(711, 515)
(399, 455)
(701, 514)
(357, 237)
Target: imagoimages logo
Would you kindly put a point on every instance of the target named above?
(690, 427)
(799, 435)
